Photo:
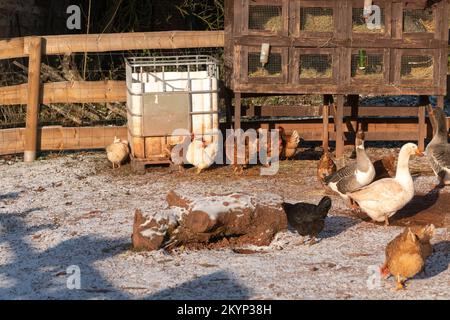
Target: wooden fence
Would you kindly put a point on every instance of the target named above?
(33, 93)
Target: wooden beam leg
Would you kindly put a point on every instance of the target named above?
(339, 123)
(34, 82)
(440, 102)
(237, 110)
(422, 128)
(325, 133)
(353, 102)
(228, 107)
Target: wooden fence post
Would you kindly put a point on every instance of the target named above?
(34, 88)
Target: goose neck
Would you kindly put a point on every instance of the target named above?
(403, 172)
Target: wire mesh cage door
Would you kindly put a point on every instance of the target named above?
(377, 24)
(315, 66)
(274, 71)
(419, 20)
(314, 18)
(418, 67)
(370, 65)
(264, 17)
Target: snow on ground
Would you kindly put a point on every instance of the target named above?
(74, 210)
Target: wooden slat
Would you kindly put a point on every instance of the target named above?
(61, 44)
(85, 92)
(12, 48)
(316, 111)
(14, 94)
(59, 138)
(131, 41)
(68, 92)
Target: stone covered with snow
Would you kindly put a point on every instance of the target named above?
(211, 220)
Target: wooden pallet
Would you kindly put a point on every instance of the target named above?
(139, 165)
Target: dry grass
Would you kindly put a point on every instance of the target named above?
(419, 73)
(263, 73)
(274, 24)
(312, 73)
(363, 29)
(319, 23)
(368, 74)
(428, 24)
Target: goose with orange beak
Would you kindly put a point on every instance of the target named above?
(383, 198)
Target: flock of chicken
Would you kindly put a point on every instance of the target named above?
(202, 155)
(356, 183)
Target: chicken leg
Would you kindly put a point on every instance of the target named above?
(400, 283)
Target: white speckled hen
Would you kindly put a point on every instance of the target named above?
(117, 152)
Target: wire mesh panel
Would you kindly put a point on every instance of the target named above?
(316, 66)
(417, 67)
(418, 20)
(367, 66)
(359, 23)
(316, 19)
(265, 18)
(273, 68)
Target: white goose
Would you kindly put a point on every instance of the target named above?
(383, 198)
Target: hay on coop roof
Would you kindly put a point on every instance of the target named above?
(311, 73)
(274, 24)
(319, 23)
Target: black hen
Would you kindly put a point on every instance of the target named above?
(308, 219)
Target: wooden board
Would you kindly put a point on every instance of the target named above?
(68, 92)
(59, 138)
(62, 44)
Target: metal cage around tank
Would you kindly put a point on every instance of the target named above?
(165, 94)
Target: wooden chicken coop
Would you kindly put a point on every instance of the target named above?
(327, 47)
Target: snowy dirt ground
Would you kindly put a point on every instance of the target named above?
(74, 210)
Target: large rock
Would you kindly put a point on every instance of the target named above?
(210, 221)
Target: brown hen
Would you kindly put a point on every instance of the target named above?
(406, 254)
(326, 167)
